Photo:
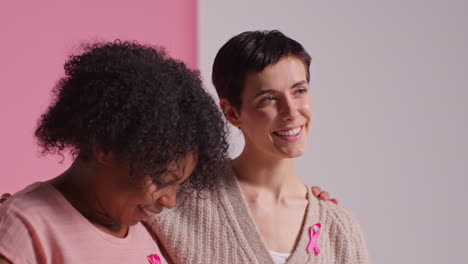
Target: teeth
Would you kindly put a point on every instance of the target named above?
(149, 212)
(291, 132)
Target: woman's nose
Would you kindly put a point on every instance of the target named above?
(168, 200)
(289, 110)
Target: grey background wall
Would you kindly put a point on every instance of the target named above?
(389, 81)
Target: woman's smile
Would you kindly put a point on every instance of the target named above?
(289, 134)
(147, 212)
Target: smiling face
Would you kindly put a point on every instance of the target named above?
(276, 111)
(128, 203)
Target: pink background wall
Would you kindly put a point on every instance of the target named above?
(37, 36)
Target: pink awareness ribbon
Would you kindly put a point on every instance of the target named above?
(154, 259)
(314, 235)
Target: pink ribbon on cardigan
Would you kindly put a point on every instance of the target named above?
(314, 235)
(154, 259)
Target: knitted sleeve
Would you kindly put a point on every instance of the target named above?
(349, 242)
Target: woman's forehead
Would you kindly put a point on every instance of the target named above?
(284, 74)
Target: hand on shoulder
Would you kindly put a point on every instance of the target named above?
(4, 260)
(323, 195)
(3, 198)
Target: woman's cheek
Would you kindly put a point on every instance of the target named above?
(306, 106)
(256, 115)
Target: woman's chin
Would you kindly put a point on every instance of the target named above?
(291, 153)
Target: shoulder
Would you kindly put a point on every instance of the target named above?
(197, 219)
(189, 203)
(19, 221)
(27, 200)
(32, 202)
(341, 222)
(329, 214)
(337, 215)
(343, 232)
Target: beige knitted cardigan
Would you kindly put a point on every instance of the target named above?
(220, 229)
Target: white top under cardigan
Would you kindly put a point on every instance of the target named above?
(279, 258)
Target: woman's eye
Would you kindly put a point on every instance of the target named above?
(301, 90)
(162, 183)
(267, 99)
(159, 184)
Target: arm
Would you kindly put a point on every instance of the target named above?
(317, 191)
(350, 245)
(358, 252)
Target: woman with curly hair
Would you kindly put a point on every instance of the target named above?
(139, 125)
(262, 212)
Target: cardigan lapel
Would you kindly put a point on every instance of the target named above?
(300, 255)
(246, 221)
(252, 234)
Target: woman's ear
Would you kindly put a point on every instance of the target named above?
(104, 158)
(230, 112)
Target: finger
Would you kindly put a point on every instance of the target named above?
(324, 196)
(335, 201)
(4, 197)
(316, 190)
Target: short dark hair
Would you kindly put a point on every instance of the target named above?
(251, 51)
(135, 101)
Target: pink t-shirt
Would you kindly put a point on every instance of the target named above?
(38, 225)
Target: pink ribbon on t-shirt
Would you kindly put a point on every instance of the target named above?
(314, 235)
(154, 259)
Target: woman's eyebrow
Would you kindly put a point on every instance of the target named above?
(266, 91)
(173, 178)
(299, 83)
(262, 92)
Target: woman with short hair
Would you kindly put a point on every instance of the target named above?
(261, 212)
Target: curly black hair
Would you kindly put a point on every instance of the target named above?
(135, 101)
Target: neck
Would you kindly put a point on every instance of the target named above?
(80, 186)
(264, 173)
